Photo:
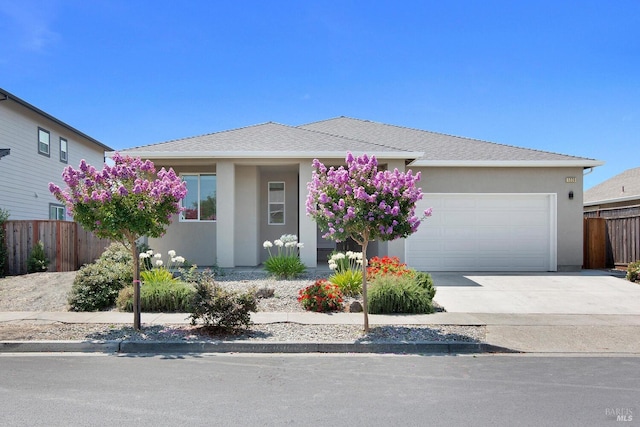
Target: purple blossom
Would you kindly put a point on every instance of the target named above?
(359, 195)
(94, 191)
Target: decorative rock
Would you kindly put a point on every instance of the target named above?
(265, 292)
(355, 307)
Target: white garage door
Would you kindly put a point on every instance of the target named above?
(485, 232)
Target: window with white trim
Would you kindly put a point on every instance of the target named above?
(57, 212)
(276, 203)
(44, 139)
(200, 201)
(64, 150)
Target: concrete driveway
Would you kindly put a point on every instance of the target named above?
(585, 292)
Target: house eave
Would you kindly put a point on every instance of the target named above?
(262, 154)
(12, 97)
(615, 200)
(508, 163)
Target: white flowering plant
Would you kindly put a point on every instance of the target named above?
(284, 262)
(347, 274)
(155, 270)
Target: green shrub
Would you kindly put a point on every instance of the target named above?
(425, 281)
(156, 276)
(322, 296)
(116, 252)
(4, 216)
(218, 307)
(37, 261)
(172, 296)
(285, 267)
(633, 271)
(349, 281)
(285, 262)
(96, 285)
(390, 294)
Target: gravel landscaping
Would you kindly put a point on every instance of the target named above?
(48, 292)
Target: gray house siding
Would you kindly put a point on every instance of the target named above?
(26, 174)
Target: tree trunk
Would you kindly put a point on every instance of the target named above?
(365, 306)
(136, 285)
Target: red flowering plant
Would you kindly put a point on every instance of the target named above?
(387, 266)
(321, 296)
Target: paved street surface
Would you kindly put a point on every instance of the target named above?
(349, 390)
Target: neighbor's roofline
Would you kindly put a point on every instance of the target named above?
(615, 200)
(586, 163)
(263, 154)
(12, 97)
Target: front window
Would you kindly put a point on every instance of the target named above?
(276, 203)
(56, 212)
(43, 141)
(200, 202)
(64, 153)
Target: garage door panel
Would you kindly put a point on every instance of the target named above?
(484, 232)
(458, 204)
(454, 218)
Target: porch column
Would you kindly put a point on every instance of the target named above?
(396, 247)
(225, 206)
(307, 227)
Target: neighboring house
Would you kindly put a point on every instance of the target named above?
(495, 207)
(614, 240)
(40, 147)
(621, 191)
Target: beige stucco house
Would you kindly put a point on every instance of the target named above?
(495, 207)
(35, 147)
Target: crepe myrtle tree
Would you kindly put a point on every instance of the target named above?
(122, 202)
(363, 203)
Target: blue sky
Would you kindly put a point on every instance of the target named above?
(560, 76)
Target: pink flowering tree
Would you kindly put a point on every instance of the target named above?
(363, 203)
(122, 202)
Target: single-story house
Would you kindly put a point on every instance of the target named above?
(621, 191)
(495, 207)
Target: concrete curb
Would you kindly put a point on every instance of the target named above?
(60, 346)
(180, 347)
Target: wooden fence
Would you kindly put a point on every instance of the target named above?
(67, 245)
(621, 239)
(595, 247)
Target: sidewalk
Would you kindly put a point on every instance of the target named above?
(506, 332)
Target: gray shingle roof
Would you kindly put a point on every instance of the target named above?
(334, 137)
(267, 137)
(436, 146)
(622, 186)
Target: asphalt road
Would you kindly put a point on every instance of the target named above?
(349, 390)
